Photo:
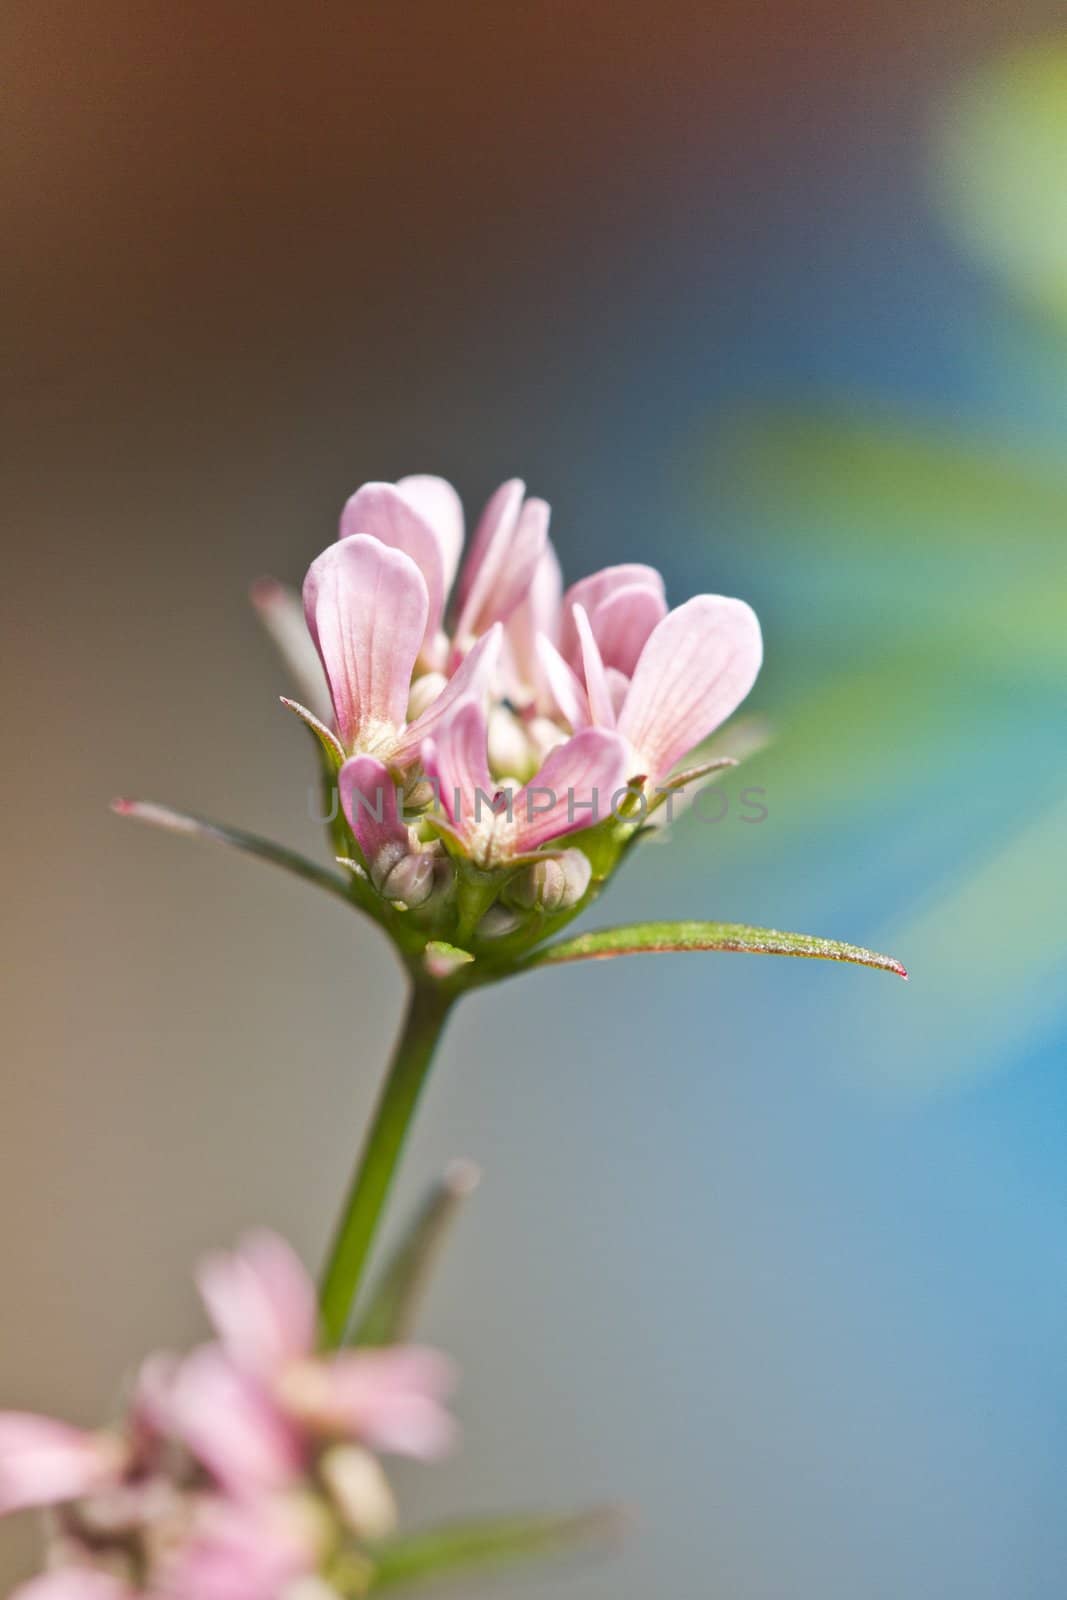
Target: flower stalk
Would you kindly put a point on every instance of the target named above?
(428, 1006)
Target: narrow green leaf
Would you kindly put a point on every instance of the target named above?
(394, 1303)
(458, 1549)
(654, 937)
(251, 843)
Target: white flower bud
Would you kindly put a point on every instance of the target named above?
(424, 692)
(497, 922)
(404, 876)
(359, 1489)
(510, 755)
(554, 884)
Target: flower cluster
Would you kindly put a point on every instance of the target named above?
(246, 1470)
(468, 737)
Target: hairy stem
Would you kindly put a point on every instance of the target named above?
(424, 1020)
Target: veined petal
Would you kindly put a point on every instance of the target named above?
(366, 607)
(438, 503)
(503, 562)
(369, 799)
(698, 665)
(500, 515)
(230, 1423)
(472, 680)
(260, 1299)
(574, 789)
(385, 512)
(44, 1462)
(591, 592)
(456, 759)
(623, 621)
(564, 686)
(597, 688)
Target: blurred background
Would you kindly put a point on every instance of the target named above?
(775, 297)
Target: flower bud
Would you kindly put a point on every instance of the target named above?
(497, 922)
(554, 884)
(510, 755)
(404, 876)
(360, 1491)
(424, 692)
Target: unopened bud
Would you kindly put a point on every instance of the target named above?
(510, 755)
(424, 692)
(359, 1489)
(497, 922)
(554, 884)
(400, 875)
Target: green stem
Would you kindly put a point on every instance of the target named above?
(427, 1011)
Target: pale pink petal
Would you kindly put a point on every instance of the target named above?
(261, 1300)
(564, 687)
(369, 800)
(73, 1583)
(457, 761)
(591, 592)
(242, 1551)
(438, 503)
(44, 1462)
(538, 613)
(623, 621)
(282, 614)
(385, 512)
(697, 667)
(502, 569)
(574, 789)
(597, 688)
(501, 513)
(472, 680)
(390, 1399)
(229, 1422)
(366, 607)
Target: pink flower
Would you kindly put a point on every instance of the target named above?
(576, 787)
(44, 1462)
(695, 666)
(367, 607)
(262, 1304)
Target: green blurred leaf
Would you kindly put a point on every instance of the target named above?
(252, 844)
(394, 1303)
(458, 1549)
(666, 937)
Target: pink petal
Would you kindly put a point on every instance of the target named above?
(623, 621)
(472, 680)
(229, 1422)
(366, 608)
(440, 506)
(73, 1583)
(385, 512)
(508, 546)
(536, 614)
(591, 592)
(390, 1399)
(44, 1462)
(456, 759)
(260, 1300)
(697, 667)
(597, 688)
(241, 1552)
(563, 685)
(576, 787)
(369, 800)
